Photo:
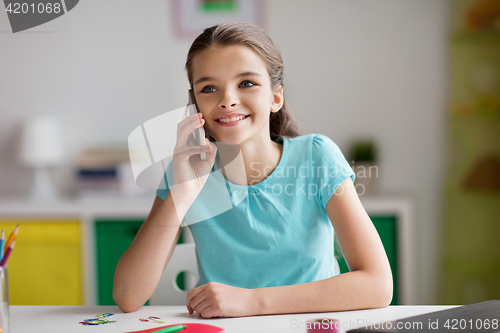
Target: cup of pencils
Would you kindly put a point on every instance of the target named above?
(5, 252)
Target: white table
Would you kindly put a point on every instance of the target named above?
(64, 319)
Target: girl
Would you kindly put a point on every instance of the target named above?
(272, 253)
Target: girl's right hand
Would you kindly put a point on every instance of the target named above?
(189, 171)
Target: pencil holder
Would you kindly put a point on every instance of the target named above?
(4, 292)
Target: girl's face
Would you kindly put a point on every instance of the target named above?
(232, 82)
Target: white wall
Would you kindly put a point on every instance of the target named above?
(353, 68)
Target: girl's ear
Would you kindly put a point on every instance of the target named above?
(278, 99)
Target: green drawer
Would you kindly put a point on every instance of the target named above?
(113, 238)
(387, 229)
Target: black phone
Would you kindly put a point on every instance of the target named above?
(199, 133)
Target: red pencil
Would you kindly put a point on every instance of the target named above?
(7, 254)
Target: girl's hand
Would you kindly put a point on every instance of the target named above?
(189, 171)
(219, 300)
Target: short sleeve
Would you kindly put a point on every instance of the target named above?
(330, 167)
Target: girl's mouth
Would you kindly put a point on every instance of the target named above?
(232, 121)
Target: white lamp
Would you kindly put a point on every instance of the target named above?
(42, 148)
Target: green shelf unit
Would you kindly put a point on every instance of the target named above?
(387, 229)
(113, 238)
(470, 255)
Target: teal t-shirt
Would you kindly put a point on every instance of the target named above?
(273, 233)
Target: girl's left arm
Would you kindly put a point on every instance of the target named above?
(367, 285)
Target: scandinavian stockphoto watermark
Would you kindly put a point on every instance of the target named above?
(322, 179)
(26, 14)
(452, 324)
(152, 147)
(330, 324)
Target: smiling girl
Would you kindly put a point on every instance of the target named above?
(272, 253)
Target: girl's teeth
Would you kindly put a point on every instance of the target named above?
(233, 119)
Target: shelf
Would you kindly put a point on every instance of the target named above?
(64, 208)
(461, 37)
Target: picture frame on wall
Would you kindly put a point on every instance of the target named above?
(191, 17)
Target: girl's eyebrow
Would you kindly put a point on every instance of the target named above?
(209, 78)
(249, 73)
(204, 79)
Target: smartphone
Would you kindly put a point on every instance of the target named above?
(199, 133)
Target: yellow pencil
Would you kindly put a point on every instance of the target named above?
(12, 236)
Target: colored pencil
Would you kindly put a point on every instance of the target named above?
(7, 254)
(12, 236)
(171, 329)
(2, 244)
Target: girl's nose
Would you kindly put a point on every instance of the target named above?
(229, 100)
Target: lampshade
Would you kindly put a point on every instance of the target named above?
(42, 142)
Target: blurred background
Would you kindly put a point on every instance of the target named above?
(409, 87)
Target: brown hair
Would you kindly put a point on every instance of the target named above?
(281, 123)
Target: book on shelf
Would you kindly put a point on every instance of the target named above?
(105, 172)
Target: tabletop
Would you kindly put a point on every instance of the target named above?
(63, 319)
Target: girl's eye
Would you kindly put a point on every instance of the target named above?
(247, 84)
(208, 89)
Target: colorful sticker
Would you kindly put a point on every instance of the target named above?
(101, 318)
(152, 319)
